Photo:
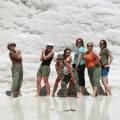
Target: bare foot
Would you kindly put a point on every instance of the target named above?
(110, 94)
(94, 95)
(78, 95)
(106, 94)
(81, 94)
(53, 95)
(37, 95)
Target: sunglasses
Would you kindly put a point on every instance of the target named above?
(49, 46)
(60, 60)
(89, 45)
(78, 42)
(101, 43)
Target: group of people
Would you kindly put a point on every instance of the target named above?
(68, 70)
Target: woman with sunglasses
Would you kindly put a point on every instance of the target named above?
(80, 64)
(92, 63)
(105, 62)
(44, 69)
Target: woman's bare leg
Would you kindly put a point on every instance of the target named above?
(47, 85)
(95, 91)
(106, 87)
(38, 85)
(56, 85)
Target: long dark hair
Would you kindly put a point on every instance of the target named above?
(104, 42)
(65, 51)
(81, 40)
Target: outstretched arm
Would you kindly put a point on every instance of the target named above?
(97, 57)
(110, 60)
(57, 71)
(78, 60)
(71, 72)
(68, 59)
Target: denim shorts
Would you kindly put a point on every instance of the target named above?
(104, 71)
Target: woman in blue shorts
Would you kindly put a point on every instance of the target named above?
(105, 62)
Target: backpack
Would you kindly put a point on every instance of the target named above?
(43, 91)
(72, 92)
(62, 92)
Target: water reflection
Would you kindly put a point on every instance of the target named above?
(17, 110)
(95, 109)
(99, 108)
(105, 110)
(84, 108)
(43, 108)
(70, 108)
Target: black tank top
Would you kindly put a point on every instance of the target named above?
(48, 61)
